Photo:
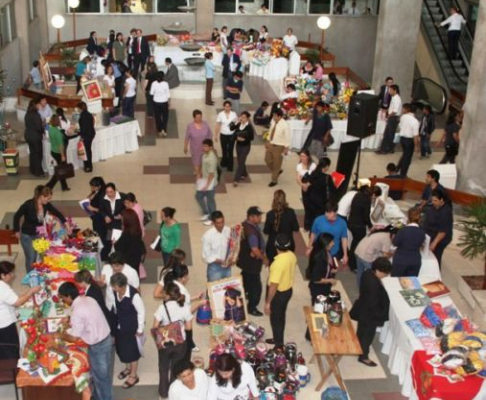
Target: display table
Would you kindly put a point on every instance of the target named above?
(33, 388)
(109, 142)
(340, 341)
(299, 131)
(399, 341)
(275, 69)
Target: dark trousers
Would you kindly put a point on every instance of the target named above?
(150, 104)
(450, 154)
(88, 141)
(408, 269)
(439, 250)
(165, 258)
(138, 64)
(387, 145)
(264, 121)
(78, 84)
(252, 283)
(161, 113)
(128, 106)
(107, 244)
(453, 38)
(408, 147)
(227, 146)
(358, 232)
(425, 148)
(366, 333)
(54, 179)
(167, 358)
(189, 345)
(9, 346)
(119, 82)
(130, 61)
(278, 309)
(242, 152)
(35, 156)
(209, 89)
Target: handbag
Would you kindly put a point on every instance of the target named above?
(355, 311)
(169, 335)
(328, 140)
(82, 151)
(64, 171)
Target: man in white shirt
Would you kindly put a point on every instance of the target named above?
(161, 96)
(353, 10)
(455, 22)
(344, 205)
(263, 10)
(191, 383)
(277, 146)
(116, 265)
(409, 139)
(393, 119)
(215, 247)
(290, 40)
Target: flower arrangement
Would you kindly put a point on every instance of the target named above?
(261, 58)
(278, 49)
(41, 245)
(62, 262)
(162, 40)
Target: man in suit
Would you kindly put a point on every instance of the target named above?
(141, 51)
(129, 44)
(231, 63)
(92, 46)
(385, 96)
(172, 74)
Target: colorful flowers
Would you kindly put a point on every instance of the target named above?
(41, 245)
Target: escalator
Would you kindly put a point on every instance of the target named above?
(454, 72)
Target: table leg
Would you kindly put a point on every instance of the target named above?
(333, 362)
(324, 373)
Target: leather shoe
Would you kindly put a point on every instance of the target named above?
(66, 189)
(272, 184)
(256, 313)
(270, 341)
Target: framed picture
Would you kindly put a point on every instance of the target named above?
(227, 299)
(91, 90)
(45, 71)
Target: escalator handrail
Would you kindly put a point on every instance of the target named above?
(443, 44)
(444, 93)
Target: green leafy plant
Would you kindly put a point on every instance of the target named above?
(473, 241)
(312, 55)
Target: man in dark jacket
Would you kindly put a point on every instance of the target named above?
(231, 63)
(251, 258)
(427, 127)
(140, 51)
(172, 74)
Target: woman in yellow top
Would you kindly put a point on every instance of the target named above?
(58, 151)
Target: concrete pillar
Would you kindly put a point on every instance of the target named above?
(22, 24)
(471, 176)
(204, 16)
(396, 40)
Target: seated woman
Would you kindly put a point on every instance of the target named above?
(191, 383)
(318, 70)
(308, 69)
(290, 92)
(259, 118)
(215, 36)
(372, 307)
(232, 380)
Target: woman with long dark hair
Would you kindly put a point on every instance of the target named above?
(150, 77)
(336, 85)
(232, 379)
(281, 219)
(130, 243)
(87, 133)
(172, 310)
(111, 207)
(34, 212)
(34, 130)
(170, 233)
(304, 169)
(244, 135)
(9, 301)
(131, 203)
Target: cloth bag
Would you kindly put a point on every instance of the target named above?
(82, 151)
(169, 335)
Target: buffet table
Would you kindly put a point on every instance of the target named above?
(109, 142)
(299, 131)
(399, 341)
(275, 69)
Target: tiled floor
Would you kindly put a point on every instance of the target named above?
(161, 176)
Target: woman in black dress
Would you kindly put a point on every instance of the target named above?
(321, 269)
(111, 207)
(281, 219)
(87, 133)
(130, 243)
(130, 321)
(450, 138)
(97, 185)
(34, 131)
(244, 134)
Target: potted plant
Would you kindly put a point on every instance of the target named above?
(473, 241)
(312, 55)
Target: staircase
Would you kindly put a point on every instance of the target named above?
(455, 72)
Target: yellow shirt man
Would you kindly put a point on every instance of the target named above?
(282, 271)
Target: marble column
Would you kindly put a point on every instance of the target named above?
(396, 41)
(471, 163)
(204, 16)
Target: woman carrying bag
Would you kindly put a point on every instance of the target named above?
(171, 320)
(87, 132)
(244, 135)
(58, 152)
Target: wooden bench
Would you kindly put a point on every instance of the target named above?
(8, 238)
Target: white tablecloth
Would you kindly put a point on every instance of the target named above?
(109, 142)
(276, 69)
(399, 342)
(299, 131)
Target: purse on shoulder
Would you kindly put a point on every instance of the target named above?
(169, 335)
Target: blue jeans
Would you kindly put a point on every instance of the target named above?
(128, 106)
(205, 199)
(100, 359)
(216, 272)
(30, 253)
(362, 267)
(425, 145)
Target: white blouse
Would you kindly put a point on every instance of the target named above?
(8, 298)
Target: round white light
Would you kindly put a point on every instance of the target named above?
(58, 21)
(323, 22)
(73, 3)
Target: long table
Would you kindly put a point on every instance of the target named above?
(109, 142)
(299, 131)
(275, 69)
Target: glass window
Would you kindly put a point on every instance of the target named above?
(5, 27)
(11, 20)
(283, 7)
(225, 6)
(319, 6)
(170, 6)
(32, 10)
(88, 6)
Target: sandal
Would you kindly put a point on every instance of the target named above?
(128, 385)
(123, 374)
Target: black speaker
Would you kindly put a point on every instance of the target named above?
(362, 115)
(345, 163)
